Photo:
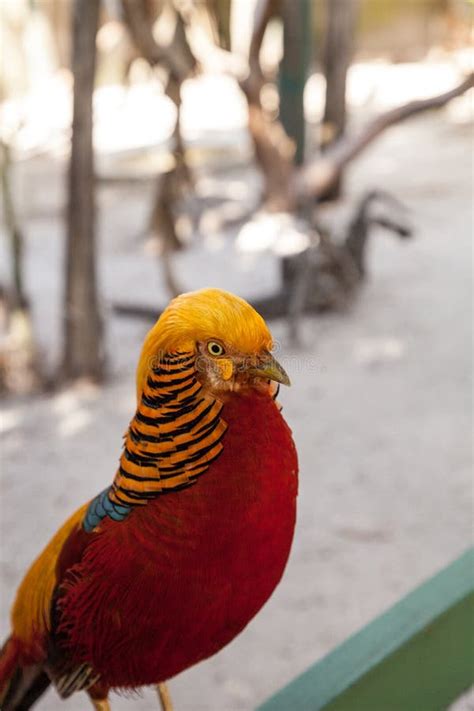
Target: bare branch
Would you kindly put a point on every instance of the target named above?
(317, 178)
(171, 56)
(274, 152)
(264, 11)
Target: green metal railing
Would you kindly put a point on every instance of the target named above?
(418, 656)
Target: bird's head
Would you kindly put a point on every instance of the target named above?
(230, 340)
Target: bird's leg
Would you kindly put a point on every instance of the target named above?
(165, 697)
(99, 696)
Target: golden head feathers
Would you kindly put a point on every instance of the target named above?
(199, 316)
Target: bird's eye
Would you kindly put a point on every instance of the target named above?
(215, 349)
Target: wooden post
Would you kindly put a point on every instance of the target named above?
(83, 347)
(294, 70)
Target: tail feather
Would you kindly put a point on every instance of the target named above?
(20, 686)
(9, 654)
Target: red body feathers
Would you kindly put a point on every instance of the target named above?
(181, 577)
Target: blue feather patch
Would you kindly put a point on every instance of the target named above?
(102, 506)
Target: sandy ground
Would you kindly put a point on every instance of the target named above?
(380, 409)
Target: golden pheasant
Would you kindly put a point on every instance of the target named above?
(169, 563)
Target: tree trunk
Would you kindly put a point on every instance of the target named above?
(19, 364)
(342, 19)
(83, 347)
(294, 70)
(17, 290)
(341, 25)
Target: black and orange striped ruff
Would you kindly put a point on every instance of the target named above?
(174, 436)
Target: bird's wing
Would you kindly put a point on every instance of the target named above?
(31, 612)
(34, 614)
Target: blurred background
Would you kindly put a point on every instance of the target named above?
(313, 156)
